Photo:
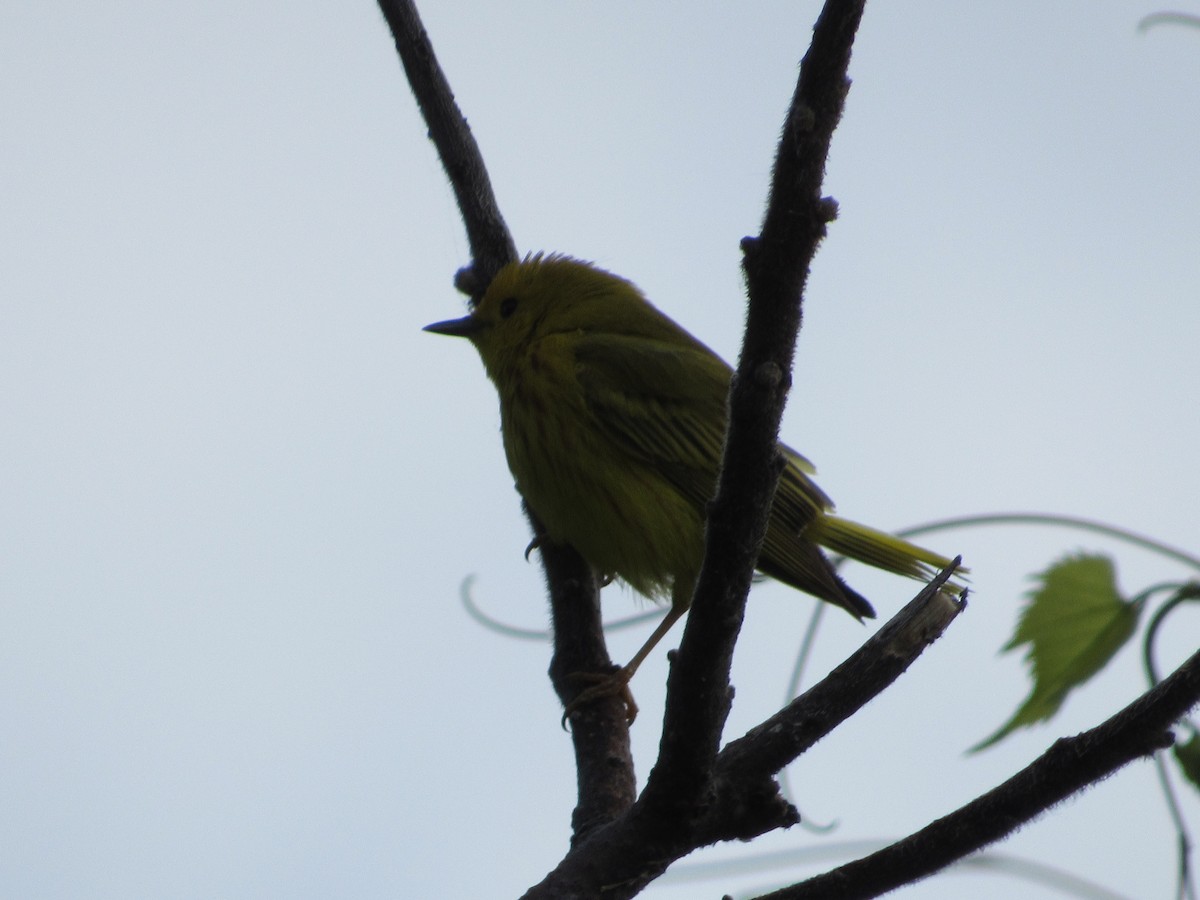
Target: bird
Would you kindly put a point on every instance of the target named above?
(613, 420)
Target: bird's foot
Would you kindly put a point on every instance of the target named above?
(611, 684)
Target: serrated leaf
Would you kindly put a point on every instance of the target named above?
(1187, 754)
(1073, 624)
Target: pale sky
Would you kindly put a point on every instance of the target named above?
(240, 488)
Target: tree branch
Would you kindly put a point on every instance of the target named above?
(603, 758)
(1070, 765)
(600, 730)
(747, 798)
(491, 243)
(619, 860)
(698, 692)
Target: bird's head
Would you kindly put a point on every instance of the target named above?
(547, 295)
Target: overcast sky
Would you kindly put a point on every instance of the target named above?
(240, 489)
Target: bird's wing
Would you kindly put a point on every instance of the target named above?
(798, 500)
(665, 405)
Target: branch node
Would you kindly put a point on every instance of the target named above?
(769, 374)
(803, 119)
(467, 281)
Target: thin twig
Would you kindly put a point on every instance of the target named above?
(492, 246)
(778, 741)
(747, 800)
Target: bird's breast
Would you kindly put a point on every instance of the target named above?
(585, 487)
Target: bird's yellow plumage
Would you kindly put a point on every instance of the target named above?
(613, 419)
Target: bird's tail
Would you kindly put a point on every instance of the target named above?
(879, 549)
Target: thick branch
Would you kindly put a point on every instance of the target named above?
(698, 694)
(1071, 764)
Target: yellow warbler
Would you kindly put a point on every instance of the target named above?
(613, 419)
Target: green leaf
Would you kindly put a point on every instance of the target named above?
(1187, 754)
(1073, 624)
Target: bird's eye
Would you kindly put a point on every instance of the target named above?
(507, 307)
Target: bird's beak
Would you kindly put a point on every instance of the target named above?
(467, 326)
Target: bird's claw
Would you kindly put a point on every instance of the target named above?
(533, 545)
(602, 686)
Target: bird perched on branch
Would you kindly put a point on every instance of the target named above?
(613, 419)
